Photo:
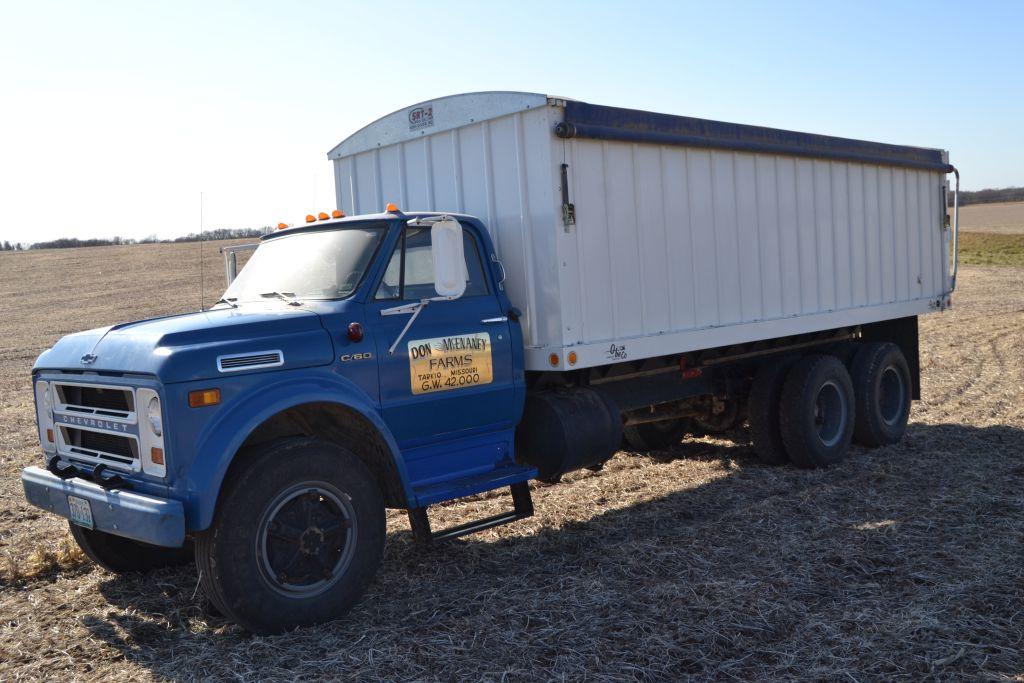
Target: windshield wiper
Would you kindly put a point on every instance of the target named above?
(283, 297)
(230, 302)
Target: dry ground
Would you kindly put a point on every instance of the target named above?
(695, 562)
(1005, 218)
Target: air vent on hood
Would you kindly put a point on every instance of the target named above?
(250, 361)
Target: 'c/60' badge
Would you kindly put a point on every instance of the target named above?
(356, 356)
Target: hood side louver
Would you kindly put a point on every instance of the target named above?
(250, 361)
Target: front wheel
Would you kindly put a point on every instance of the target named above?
(297, 537)
(121, 555)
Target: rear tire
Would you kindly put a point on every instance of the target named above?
(881, 384)
(296, 539)
(656, 436)
(121, 555)
(765, 396)
(817, 412)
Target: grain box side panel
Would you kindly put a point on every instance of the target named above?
(752, 286)
(679, 250)
(723, 205)
(769, 235)
(593, 243)
(541, 223)
(702, 224)
(623, 241)
(652, 244)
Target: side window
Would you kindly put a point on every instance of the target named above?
(416, 280)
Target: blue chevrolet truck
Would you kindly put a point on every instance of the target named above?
(582, 278)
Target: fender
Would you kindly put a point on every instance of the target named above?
(221, 438)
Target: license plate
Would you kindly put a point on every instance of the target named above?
(81, 512)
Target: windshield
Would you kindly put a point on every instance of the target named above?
(327, 264)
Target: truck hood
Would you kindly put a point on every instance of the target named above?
(184, 348)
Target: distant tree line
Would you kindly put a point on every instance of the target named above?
(1004, 194)
(208, 235)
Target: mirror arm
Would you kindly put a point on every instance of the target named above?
(419, 307)
(415, 310)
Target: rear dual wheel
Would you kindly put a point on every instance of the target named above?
(881, 381)
(816, 412)
(807, 410)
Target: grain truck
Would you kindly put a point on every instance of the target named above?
(512, 287)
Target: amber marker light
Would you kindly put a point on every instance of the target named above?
(337, 214)
(156, 455)
(310, 218)
(553, 359)
(282, 226)
(203, 397)
(323, 216)
(391, 208)
(572, 358)
(49, 435)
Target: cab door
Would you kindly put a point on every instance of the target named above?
(450, 378)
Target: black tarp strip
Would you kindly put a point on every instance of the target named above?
(584, 120)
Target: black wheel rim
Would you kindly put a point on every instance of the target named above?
(891, 395)
(306, 539)
(830, 414)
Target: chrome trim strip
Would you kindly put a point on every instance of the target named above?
(253, 355)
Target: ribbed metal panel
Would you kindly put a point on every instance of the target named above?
(674, 247)
(671, 238)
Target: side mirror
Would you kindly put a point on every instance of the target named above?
(449, 258)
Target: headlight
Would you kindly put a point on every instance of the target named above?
(44, 416)
(151, 432)
(155, 421)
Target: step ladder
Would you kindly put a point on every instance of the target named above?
(522, 507)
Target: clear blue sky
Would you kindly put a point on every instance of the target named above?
(116, 115)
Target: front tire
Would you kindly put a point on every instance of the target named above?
(122, 555)
(297, 537)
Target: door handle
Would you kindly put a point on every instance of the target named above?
(489, 321)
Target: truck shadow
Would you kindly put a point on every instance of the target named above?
(724, 568)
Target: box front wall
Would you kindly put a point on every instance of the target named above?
(673, 239)
(498, 170)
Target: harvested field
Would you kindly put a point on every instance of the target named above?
(905, 561)
(1005, 218)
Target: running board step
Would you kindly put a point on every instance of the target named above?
(522, 508)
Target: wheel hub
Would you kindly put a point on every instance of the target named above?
(830, 414)
(306, 539)
(312, 541)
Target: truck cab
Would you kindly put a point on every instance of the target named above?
(385, 341)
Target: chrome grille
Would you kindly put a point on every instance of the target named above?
(97, 424)
(94, 447)
(92, 399)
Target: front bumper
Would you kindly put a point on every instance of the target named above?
(123, 513)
